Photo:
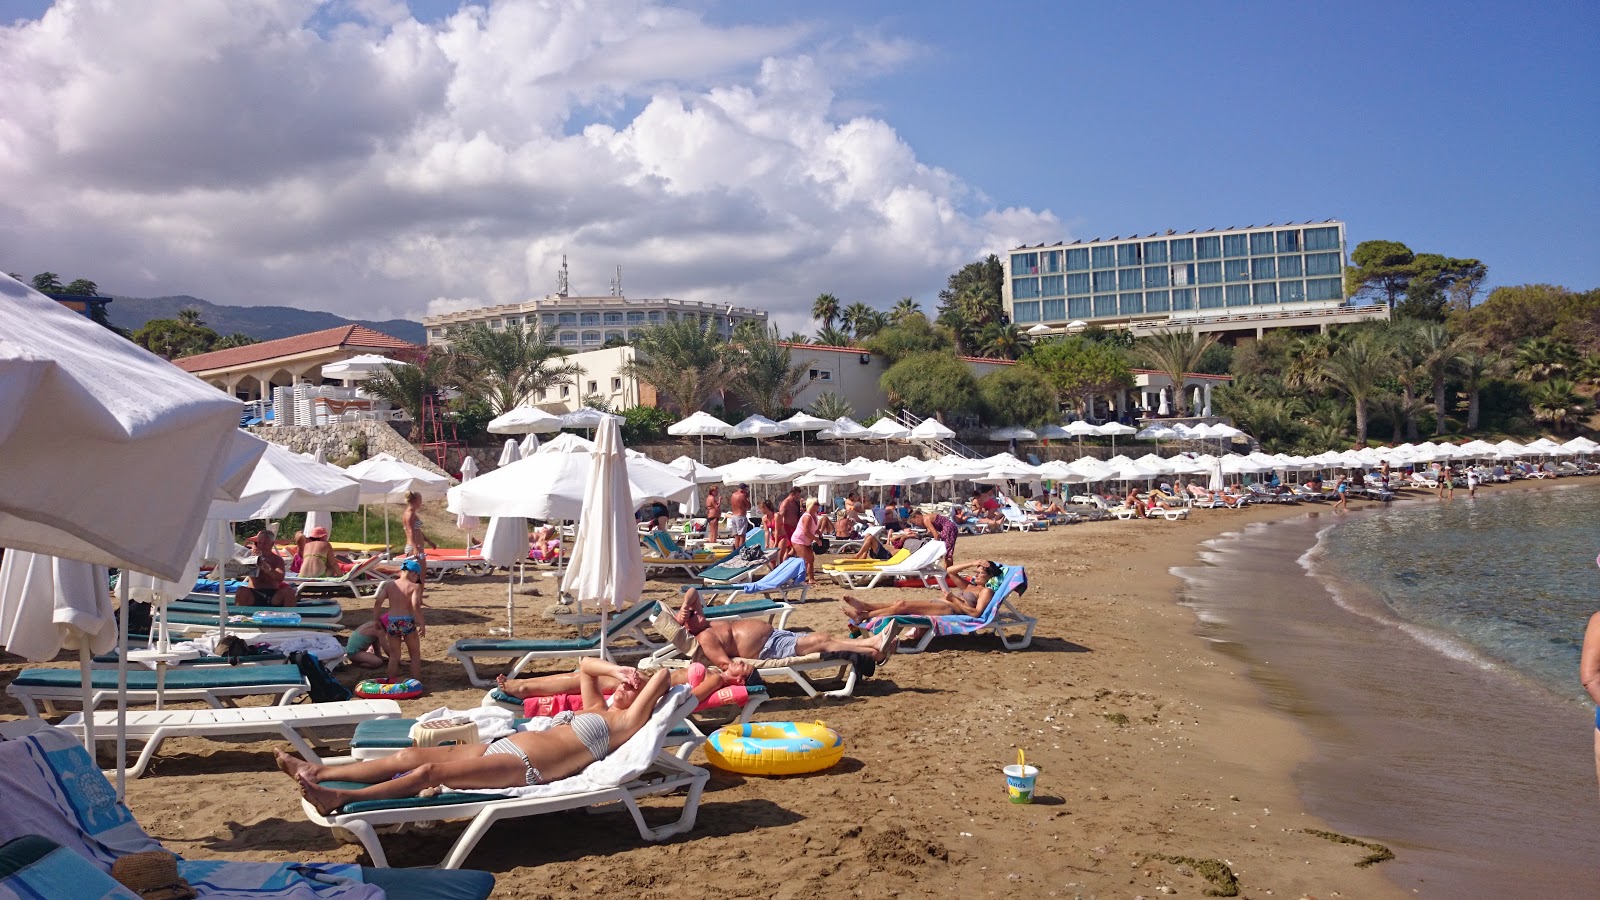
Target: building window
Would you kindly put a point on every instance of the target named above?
(1235, 245)
(1052, 286)
(1078, 284)
(1261, 244)
(594, 387)
(635, 318)
(1182, 249)
(542, 393)
(1182, 274)
(1208, 272)
(821, 374)
(1024, 287)
(497, 323)
(1210, 298)
(1155, 301)
(1055, 310)
(1322, 238)
(616, 385)
(513, 320)
(633, 334)
(1324, 288)
(569, 339)
(1130, 279)
(1236, 269)
(1208, 247)
(1289, 242)
(1050, 262)
(1322, 264)
(1262, 294)
(436, 332)
(1104, 257)
(1078, 307)
(1289, 267)
(1130, 304)
(1129, 255)
(589, 318)
(615, 334)
(1291, 291)
(1024, 263)
(1105, 304)
(1155, 276)
(654, 315)
(1238, 295)
(548, 319)
(1105, 281)
(614, 318)
(591, 338)
(1183, 299)
(567, 319)
(1263, 268)
(1155, 252)
(1078, 259)
(566, 391)
(1025, 312)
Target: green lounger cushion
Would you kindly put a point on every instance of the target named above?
(431, 884)
(395, 734)
(361, 806)
(205, 606)
(489, 645)
(177, 618)
(110, 659)
(743, 608)
(177, 679)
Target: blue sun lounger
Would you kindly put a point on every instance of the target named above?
(214, 685)
(733, 568)
(200, 604)
(76, 829)
(1001, 616)
(790, 575)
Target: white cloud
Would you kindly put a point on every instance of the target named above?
(347, 157)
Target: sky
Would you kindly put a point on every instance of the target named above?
(377, 158)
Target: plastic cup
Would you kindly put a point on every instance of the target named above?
(1020, 779)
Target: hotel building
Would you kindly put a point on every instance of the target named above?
(586, 323)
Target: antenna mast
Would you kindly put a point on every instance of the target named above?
(616, 283)
(562, 285)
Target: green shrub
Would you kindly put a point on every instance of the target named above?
(644, 423)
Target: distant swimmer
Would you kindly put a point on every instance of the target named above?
(1589, 674)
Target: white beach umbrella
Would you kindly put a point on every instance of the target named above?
(844, 429)
(359, 368)
(886, 430)
(1217, 482)
(1151, 462)
(1079, 428)
(1012, 433)
(469, 471)
(1113, 430)
(700, 425)
(1163, 409)
(931, 429)
(584, 417)
(47, 604)
(1578, 444)
(321, 518)
(1184, 465)
(832, 473)
(884, 474)
(283, 482)
(1510, 449)
(757, 427)
(1051, 432)
(385, 479)
(525, 420)
(552, 486)
(1157, 433)
(566, 442)
(606, 567)
(755, 470)
(695, 470)
(803, 422)
(505, 543)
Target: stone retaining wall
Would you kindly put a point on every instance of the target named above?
(338, 441)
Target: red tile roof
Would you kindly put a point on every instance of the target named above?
(326, 339)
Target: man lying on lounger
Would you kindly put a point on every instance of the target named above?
(975, 592)
(518, 760)
(719, 643)
(569, 683)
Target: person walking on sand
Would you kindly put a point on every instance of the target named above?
(1472, 484)
(417, 543)
(713, 513)
(788, 520)
(805, 533)
(1341, 493)
(404, 624)
(1447, 485)
(739, 507)
(1589, 674)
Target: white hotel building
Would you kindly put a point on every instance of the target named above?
(586, 323)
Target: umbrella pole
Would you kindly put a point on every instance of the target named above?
(511, 603)
(86, 669)
(122, 687)
(604, 653)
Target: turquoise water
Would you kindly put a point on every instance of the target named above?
(1509, 578)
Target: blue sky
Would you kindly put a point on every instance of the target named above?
(762, 153)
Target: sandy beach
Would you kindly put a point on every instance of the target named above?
(1158, 756)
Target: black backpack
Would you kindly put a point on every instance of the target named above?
(324, 687)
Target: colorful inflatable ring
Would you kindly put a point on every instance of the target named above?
(378, 689)
(774, 748)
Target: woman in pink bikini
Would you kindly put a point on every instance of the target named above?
(805, 533)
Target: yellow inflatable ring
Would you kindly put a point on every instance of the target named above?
(774, 748)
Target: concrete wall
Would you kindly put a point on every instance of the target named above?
(335, 441)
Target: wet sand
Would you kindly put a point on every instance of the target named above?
(1157, 754)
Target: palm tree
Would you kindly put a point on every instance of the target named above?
(830, 405)
(834, 336)
(1174, 353)
(904, 309)
(1406, 351)
(825, 309)
(1399, 409)
(406, 386)
(190, 315)
(1442, 353)
(1477, 368)
(1272, 420)
(1541, 358)
(768, 376)
(505, 367)
(1557, 402)
(688, 363)
(1305, 354)
(46, 283)
(1002, 341)
(1355, 369)
(857, 317)
(237, 339)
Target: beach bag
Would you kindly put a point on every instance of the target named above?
(751, 553)
(324, 687)
(820, 545)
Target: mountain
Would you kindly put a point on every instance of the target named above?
(263, 323)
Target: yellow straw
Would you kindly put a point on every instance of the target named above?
(1019, 757)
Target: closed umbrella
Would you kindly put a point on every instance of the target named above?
(804, 422)
(757, 427)
(47, 604)
(320, 518)
(525, 420)
(700, 425)
(606, 567)
(469, 471)
(505, 543)
(509, 453)
(530, 444)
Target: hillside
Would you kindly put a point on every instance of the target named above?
(261, 322)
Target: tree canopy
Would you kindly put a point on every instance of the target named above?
(971, 301)
(1079, 370)
(688, 363)
(1016, 395)
(912, 333)
(505, 367)
(931, 383)
(1413, 285)
(185, 335)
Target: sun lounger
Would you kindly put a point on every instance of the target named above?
(663, 553)
(1166, 512)
(1001, 616)
(1017, 520)
(215, 686)
(361, 582)
(790, 575)
(734, 568)
(850, 563)
(926, 564)
(109, 660)
(75, 829)
(626, 624)
(288, 722)
(199, 604)
(447, 561)
(377, 738)
(801, 670)
(244, 619)
(638, 768)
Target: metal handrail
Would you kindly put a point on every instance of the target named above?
(947, 447)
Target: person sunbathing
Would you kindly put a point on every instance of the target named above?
(719, 644)
(569, 683)
(522, 759)
(971, 600)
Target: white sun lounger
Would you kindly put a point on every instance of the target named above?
(155, 726)
(926, 563)
(639, 768)
(798, 669)
(215, 686)
(361, 582)
(1017, 520)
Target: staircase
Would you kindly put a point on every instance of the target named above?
(941, 448)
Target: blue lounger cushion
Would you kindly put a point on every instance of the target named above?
(431, 884)
(182, 618)
(110, 659)
(177, 679)
(208, 606)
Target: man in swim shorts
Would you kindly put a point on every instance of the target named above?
(719, 644)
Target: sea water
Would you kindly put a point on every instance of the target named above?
(1430, 649)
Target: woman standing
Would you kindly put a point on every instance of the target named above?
(804, 534)
(1589, 674)
(417, 543)
(713, 513)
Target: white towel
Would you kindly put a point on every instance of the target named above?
(493, 722)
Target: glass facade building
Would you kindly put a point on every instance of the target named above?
(1201, 273)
